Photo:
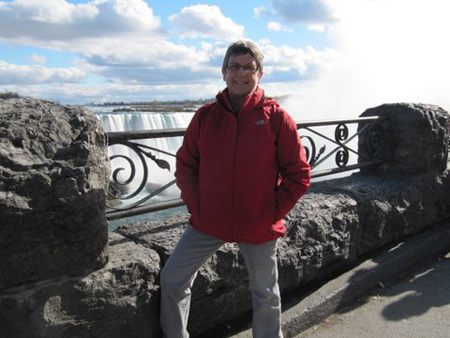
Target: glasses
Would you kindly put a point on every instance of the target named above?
(247, 69)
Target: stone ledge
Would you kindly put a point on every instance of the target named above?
(119, 300)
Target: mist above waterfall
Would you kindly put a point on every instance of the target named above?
(384, 52)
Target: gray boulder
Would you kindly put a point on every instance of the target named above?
(412, 139)
(119, 300)
(53, 173)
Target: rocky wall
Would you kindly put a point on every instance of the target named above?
(53, 171)
(335, 224)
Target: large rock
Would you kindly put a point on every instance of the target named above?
(412, 139)
(120, 300)
(53, 173)
(316, 241)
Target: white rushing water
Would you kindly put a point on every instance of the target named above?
(130, 121)
(137, 121)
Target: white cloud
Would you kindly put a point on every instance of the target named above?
(288, 64)
(277, 27)
(274, 26)
(49, 11)
(116, 92)
(157, 63)
(205, 21)
(317, 28)
(259, 11)
(121, 45)
(317, 15)
(388, 51)
(286, 56)
(263, 42)
(31, 75)
(52, 21)
(39, 59)
(158, 54)
(114, 38)
(305, 11)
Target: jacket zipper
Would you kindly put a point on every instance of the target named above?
(233, 222)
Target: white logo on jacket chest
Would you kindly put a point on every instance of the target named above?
(260, 122)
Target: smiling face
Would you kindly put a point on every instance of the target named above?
(242, 82)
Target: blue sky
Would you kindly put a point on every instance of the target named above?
(327, 58)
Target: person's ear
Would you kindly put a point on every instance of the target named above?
(260, 76)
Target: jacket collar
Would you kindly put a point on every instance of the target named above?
(255, 100)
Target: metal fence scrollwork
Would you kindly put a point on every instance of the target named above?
(338, 150)
(130, 188)
(142, 152)
(331, 148)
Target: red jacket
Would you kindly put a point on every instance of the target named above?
(240, 175)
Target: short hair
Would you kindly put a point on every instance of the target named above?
(242, 47)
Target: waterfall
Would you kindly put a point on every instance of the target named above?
(132, 121)
(135, 121)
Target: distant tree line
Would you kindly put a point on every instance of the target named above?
(9, 95)
(156, 106)
(157, 103)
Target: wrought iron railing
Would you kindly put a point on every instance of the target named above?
(330, 148)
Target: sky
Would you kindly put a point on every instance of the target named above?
(323, 58)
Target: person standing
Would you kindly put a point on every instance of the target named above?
(241, 169)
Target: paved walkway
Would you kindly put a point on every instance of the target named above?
(418, 306)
